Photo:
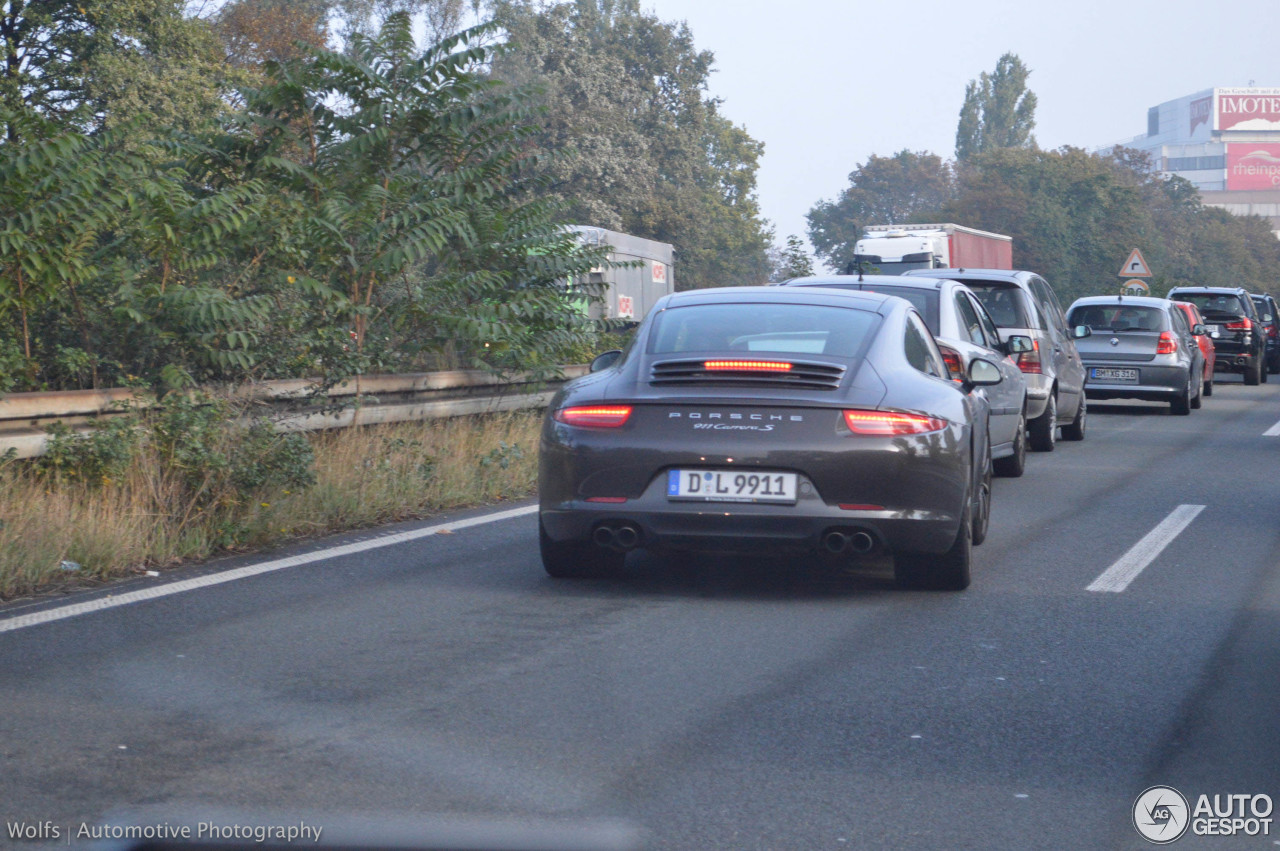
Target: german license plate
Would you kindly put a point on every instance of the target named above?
(731, 486)
(1114, 376)
(1213, 330)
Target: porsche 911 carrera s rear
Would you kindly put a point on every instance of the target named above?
(757, 422)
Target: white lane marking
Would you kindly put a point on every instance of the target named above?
(1274, 431)
(101, 603)
(1117, 577)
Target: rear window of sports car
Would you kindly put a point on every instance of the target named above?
(771, 327)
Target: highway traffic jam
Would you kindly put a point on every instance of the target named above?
(859, 415)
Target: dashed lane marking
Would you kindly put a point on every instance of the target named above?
(1117, 577)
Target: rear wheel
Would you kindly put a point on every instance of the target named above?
(982, 511)
(577, 559)
(1044, 428)
(1074, 430)
(1015, 465)
(1198, 400)
(947, 571)
(1208, 382)
(1181, 406)
(1262, 372)
(1253, 373)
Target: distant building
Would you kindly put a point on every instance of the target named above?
(1226, 142)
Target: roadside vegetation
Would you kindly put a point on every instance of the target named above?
(1073, 215)
(195, 482)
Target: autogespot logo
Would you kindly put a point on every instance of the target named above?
(1160, 815)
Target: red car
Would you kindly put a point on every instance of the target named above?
(1206, 345)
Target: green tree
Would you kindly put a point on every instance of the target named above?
(999, 110)
(87, 64)
(624, 95)
(904, 188)
(791, 261)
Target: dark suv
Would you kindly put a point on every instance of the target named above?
(1234, 326)
(1269, 313)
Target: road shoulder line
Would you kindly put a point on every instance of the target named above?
(110, 602)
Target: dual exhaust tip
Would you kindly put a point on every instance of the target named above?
(624, 537)
(859, 542)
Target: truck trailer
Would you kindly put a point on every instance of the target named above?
(628, 291)
(894, 249)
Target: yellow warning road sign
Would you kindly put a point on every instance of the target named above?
(1136, 266)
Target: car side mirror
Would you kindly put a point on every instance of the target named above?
(983, 373)
(605, 360)
(1081, 331)
(1199, 330)
(1017, 344)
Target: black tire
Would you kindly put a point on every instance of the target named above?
(1274, 366)
(1253, 373)
(1044, 428)
(577, 559)
(1181, 406)
(1075, 429)
(1197, 401)
(1014, 465)
(1208, 383)
(949, 571)
(1262, 373)
(982, 514)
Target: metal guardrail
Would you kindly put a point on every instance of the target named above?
(364, 400)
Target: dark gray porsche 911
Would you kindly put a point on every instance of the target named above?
(767, 420)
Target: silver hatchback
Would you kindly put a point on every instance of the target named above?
(1141, 348)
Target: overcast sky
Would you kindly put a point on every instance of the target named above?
(826, 83)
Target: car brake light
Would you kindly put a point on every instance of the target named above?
(1245, 324)
(746, 366)
(595, 416)
(952, 358)
(1273, 331)
(1166, 345)
(1029, 362)
(887, 423)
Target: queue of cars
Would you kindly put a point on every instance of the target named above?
(849, 415)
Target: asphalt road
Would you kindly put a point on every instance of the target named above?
(710, 704)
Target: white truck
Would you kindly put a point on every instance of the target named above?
(629, 291)
(894, 249)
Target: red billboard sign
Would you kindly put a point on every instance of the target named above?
(1257, 110)
(1252, 165)
(1201, 112)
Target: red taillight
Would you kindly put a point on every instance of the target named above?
(1029, 362)
(1245, 324)
(746, 366)
(609, 499)
(594, 416)
(860, 506)
(1167, 344)
(888, 423)
(952, 359)
(1273, 330)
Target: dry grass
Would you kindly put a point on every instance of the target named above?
(364, 476)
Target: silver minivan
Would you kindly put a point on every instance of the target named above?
(1022, 303)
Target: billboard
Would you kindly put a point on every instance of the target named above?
(1253, 165)
(1248, 109)
(1201, 112)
